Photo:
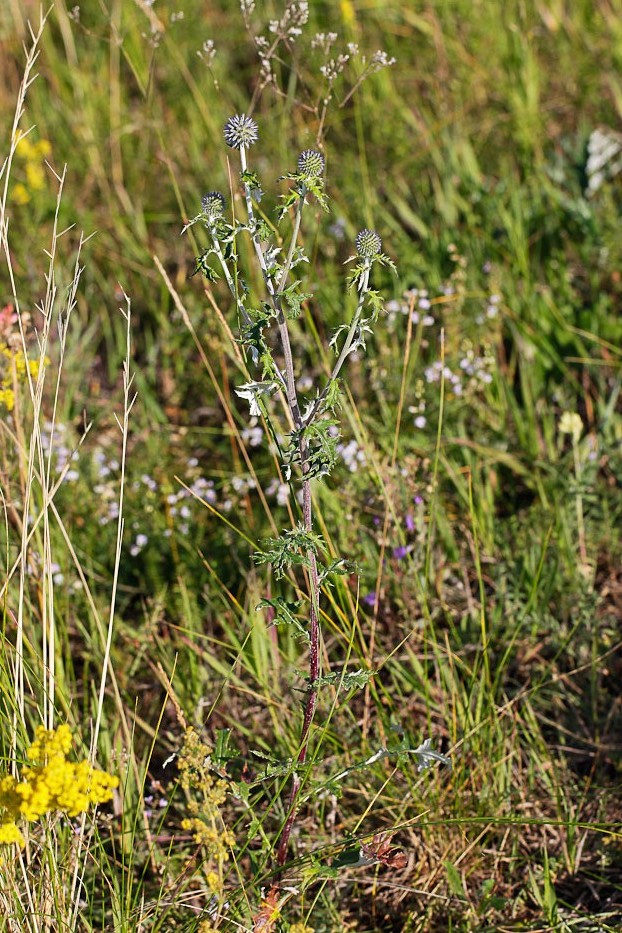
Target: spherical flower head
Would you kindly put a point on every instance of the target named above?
(213, 205)
(240, 131)
(311, 163)
(368, 244)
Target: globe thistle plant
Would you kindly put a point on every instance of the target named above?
(312, 451)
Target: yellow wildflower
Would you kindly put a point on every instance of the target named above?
(11, 835)
(32, 155)
(50, 783)
(214, 881)
(35, 176)
(20, 194)
(50, 743)
(7, 398)
(18, 366)
(215, 841)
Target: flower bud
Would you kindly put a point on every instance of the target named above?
(311, 163)
(213, 205)
(368, 244)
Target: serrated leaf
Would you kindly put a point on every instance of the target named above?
(285, 615)
(292, 548)
(251, 181)
(295, 299)
(252, 392)
(354, 680)
(340, 566)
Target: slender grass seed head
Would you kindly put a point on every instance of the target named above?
(240, 131)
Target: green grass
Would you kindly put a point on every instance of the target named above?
(495, 631)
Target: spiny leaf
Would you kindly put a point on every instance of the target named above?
(292, 548)
(285, 615)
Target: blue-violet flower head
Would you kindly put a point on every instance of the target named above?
(240, 131)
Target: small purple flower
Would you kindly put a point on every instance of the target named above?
(370, 599)
(399, 553)
(409, 522)
(418, 500)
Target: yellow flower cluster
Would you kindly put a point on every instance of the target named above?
(206, 793)
(32, 155)
(50, 783)
(15, 371)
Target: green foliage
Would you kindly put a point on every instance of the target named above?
(291, 549)
(350, 680)
(294, 299)
(250, 180)
(285, 614)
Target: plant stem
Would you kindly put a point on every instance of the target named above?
(307, 502)
(314, 663)
(292, 245)
(275, 297)
(314, 582)
(345, 350)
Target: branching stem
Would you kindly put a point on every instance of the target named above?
(345, 350)
(275, 284)
(307, 502)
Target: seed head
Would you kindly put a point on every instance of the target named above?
(213, 205)
(240, 131)
(368, 244)
(311, 163)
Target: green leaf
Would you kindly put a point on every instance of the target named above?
(356, 275)
(454, 880)
(274, 767)
(321, 442)
(292, 548)
(202, 266)
(315, 185)
(294, 299)
(284, 614)
(383, 260)
(288, 200)
(353, 680)
(376, 302)
(333, 396)
(339, 566)
(314, 870)
(251, 181)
